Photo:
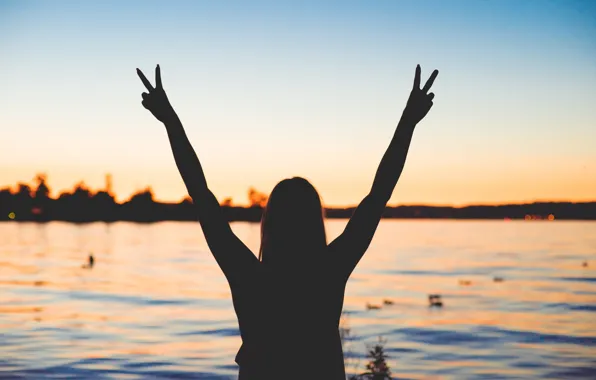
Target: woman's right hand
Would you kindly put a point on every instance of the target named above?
(156, 100)
(420, 101)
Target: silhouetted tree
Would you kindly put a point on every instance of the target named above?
(27, 203)
(104, 206)
(256, 198)
(81, 191)
(23, 191)
(6, 203)
(23, 202)
(141, 205)
(142, 197)
(41, 199)
(76, 205)
(42, 192)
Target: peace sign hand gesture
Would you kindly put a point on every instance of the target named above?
(156, 100)
(420, 101)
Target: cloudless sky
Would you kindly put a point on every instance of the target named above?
(272, 89)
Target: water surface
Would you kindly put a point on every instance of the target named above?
(155, 305)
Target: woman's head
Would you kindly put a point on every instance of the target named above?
(292, 225)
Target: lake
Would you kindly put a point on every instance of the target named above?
(155, 305)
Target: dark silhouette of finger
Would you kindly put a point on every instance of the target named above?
(144, 95)
(430, 81)
(431, 96)
(147, 84)
(144, 103)
(417, 77)
(158, 77)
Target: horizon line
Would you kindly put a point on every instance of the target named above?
(42, 177)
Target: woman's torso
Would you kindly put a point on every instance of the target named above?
(289, 323)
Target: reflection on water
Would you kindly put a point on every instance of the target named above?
(155, 304)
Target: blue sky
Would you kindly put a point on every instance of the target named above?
(268, 90)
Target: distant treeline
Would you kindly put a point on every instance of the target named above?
(81, 205)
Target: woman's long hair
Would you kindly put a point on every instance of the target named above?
(292, 225)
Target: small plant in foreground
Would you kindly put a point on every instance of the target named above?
(377, 368)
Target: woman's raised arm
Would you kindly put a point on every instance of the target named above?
(233, 257)
(351, 245)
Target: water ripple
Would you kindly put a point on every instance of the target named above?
(155, 305)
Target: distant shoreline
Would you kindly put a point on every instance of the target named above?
(148, 211)
(25, 203)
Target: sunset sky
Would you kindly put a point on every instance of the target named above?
(268, 90)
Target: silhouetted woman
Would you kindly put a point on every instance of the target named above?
(289, 300)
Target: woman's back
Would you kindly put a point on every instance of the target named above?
(289, 322)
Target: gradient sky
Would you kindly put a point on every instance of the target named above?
(268, 90)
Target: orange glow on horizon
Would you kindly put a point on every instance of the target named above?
(410, 191)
